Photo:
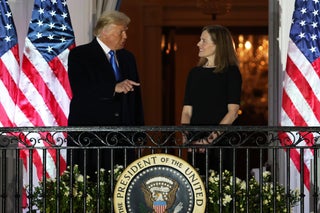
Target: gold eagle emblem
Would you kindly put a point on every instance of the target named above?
(160, 193)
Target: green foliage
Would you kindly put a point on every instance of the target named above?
(247, 198)
(242, 196)
(82, 196)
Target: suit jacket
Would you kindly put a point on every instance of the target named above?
(94, 101)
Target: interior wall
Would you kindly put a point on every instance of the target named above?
(149, 17)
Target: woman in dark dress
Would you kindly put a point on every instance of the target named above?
(213, 89)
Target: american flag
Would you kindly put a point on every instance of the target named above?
(9, 66)
(45, 91)
(301, 85)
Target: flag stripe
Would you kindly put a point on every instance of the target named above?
(45, 93)
(294, 104)
(45, 96)
(291, 110)
(9, 70)
(301, 90)
(51, 74)
(4, 119)
(10, 60)
(7, 103)
(304, 87)
(31, 115)
(305, 77)
(295, 158)
(61, 71)
(9, 65)
(301, 111)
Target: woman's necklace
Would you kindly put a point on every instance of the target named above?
(207, 65)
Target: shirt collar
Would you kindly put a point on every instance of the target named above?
(105, 48)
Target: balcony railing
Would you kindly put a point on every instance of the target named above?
(256, 165)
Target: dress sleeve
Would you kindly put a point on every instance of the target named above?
(234, 85)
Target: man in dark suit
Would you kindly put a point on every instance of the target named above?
(105, 92)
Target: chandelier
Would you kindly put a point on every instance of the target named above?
(214, 7)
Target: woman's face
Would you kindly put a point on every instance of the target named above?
(206, 46)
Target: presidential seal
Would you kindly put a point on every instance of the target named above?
(159, 183)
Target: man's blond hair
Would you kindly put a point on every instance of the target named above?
(110, 17)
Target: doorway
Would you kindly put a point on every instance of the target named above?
(180, 54)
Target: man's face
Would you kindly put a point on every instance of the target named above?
(114, 36)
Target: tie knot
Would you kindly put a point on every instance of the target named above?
(111, 52)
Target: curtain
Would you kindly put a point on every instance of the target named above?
(103, 5)
(21, 12)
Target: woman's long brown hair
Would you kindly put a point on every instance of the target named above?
(225, 51)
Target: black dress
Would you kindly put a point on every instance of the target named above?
(209, 94)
